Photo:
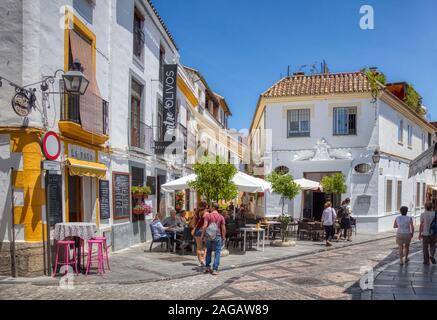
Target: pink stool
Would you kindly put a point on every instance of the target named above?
(99, 257)
(105, 248)
(65, 244)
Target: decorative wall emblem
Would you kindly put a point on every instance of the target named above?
(322, 151)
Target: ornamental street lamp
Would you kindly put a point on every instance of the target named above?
(74, 80)
(376, 157)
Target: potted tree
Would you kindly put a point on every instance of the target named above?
(335, 184)
(284, 185)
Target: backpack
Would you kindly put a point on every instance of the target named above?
(341, 212)
(211, 231)
(433, 227)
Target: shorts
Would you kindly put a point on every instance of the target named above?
(403, 239)
(198, 232)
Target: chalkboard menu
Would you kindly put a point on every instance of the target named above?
(54, 198)
(121, 195)
(104, 199)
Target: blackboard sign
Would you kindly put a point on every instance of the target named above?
(121, 195)
(54, 198)
(104, 199)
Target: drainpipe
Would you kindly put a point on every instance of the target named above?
(12, 245)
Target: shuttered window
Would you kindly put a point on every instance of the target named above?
(298, 123)
(345, 121)
(389, 196)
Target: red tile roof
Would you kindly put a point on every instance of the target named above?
(319, 84)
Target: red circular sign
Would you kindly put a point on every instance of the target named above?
(51, 145)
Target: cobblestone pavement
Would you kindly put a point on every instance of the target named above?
(413, 281)
(333, 274)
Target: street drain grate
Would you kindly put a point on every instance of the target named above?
(306, 281)
(175, 259)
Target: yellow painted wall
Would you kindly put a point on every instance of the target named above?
(27, 142)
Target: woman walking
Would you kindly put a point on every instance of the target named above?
(198, 222)
(328, 219)
(404, 234)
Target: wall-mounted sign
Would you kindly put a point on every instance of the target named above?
(22, 103)
(105, 212)
(363, 168)
(54, 198)
(51, 165)
(51, 145)
(169, 100)
(81, 153)
(121, 195)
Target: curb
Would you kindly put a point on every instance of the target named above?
(186, 275)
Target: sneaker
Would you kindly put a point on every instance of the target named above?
(328, 244)
(432, 260)
(207, 270)
(214, 273)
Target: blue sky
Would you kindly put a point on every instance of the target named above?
(242, 46)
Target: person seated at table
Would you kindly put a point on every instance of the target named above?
(231, 207)
(226, 215)
(173, 221)
(159, 231)
(183, 217)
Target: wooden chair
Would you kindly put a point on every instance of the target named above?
(233, 235)
(303, 230)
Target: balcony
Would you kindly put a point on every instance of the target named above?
(84, 117)
(140, 136)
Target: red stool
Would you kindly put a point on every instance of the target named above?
(105, 248)
(65, 244)
(99, 244)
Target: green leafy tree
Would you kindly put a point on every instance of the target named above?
(334, 184)
(284, 185)
(414, 100)
(214, 179)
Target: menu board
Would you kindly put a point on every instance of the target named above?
(121, 195)
(105, 212)
(54, 198)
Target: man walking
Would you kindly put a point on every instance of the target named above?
(214, 230)
(428, 239)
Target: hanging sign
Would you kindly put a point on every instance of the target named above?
(169, 100)
(51, 145)
(22, 103)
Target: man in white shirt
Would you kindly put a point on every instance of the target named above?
(428, 239)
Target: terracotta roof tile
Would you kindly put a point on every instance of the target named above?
(163, 24)
(319, 84)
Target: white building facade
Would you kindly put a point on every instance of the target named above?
(317, 125)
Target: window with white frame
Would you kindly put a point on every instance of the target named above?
(298, 123)
(418, 195)
(401, 132)
(388, 195)
(345, 121)
(399, 195)
(410, 136)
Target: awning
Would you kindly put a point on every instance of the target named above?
(425, 161)
(86, 168)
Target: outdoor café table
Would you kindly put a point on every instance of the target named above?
(268, 224)
(77, 230)
(245, 230)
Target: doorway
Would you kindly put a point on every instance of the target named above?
(319, 199)
(75, 199)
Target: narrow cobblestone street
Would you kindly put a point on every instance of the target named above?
(333, 274)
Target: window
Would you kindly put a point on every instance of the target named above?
(401, 132)
(298, 123)
(418, 195)
(345, 121)
(410, 136)
(135, 114)
(399, 195)
(161, 64)
(137, 179)
(282, 170)
(388, 196)
(138, 35)
(429, 140)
